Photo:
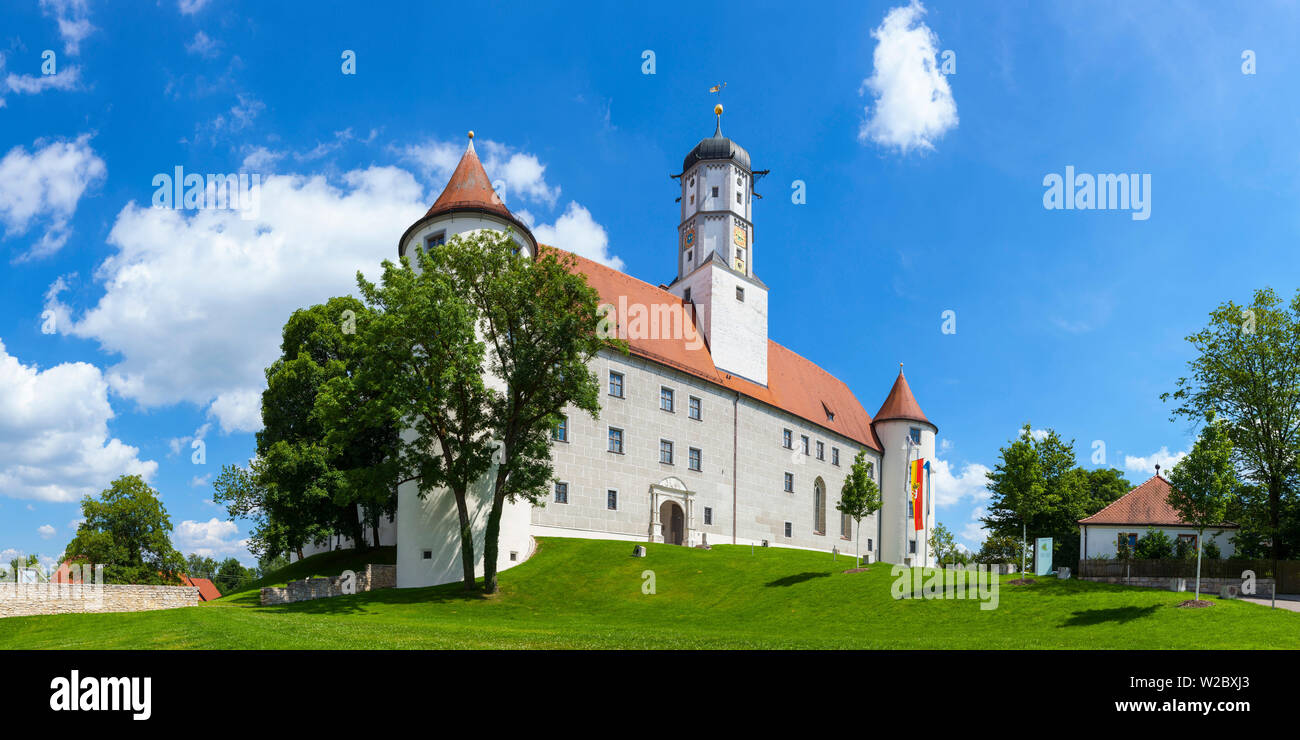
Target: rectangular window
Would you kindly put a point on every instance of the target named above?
(611, 500)
(686, 296)
(561, 492)
(846, 526)
(789, 529)
(615, 384)
(616, 440)
(696, 408)
(561, 431)
(911, 547)
(803, 443)
(434, 240)
(665, 452)
(915, 434)
(708, 515)
(740, 294)
(693, 461)
(821, 451)
(789, 482)
(835, 456)
(869, 545)
(715, 191)
(787, 438)
(666, 398)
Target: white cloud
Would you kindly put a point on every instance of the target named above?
(66, 79)
(576, 231)
(211, 539)
(190, 7)
(952, 487)
(200, 324)
(973, 534)
(1163, 457)
(45, 531)
(913, 104)
(74, 26)
(45, 185)
(54, 439)
(203, 45)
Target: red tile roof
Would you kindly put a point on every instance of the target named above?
(1146, 505)
(794, 384)
(207, 590)
(901, 404)
(469, 189)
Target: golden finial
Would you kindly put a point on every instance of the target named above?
(471, 134)
(717, 109)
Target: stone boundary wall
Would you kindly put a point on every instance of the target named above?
(373, 578)
(32, 599)
(1215, 585)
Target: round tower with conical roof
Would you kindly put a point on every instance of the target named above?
(468, 203)
(428, 540)
(906, 435)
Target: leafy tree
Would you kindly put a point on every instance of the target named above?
(942, 543)
(1154, 545)
(1204, 483)
(1039, 476)
(421, 365)
(1019, 488)
(540, 324)
(200, 566)
(126, 529)
(303, 487)
(859, 497)
(231, 574)
(998, 549)
(1247, 373)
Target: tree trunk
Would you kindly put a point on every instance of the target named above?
(1274, 506)
(490, 544)
(466, 540)
(300, 552)
(1199, 536)
(358, 533)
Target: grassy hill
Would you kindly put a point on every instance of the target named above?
(588, 594)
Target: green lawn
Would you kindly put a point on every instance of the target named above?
(587, 594)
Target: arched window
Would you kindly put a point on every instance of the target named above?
(819, 507)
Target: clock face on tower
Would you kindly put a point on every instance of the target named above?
(740, 236)
(689, 238)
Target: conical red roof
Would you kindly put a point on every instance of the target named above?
(469, 189)
(901, 404)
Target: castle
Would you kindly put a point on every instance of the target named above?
(711, 434)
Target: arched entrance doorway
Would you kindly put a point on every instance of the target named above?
(674, 522)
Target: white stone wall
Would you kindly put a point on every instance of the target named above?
(739, 345)
(1103, 540)
(28, 599)
(762, 505)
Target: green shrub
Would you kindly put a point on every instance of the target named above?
(1154, 545)
(1210, 550)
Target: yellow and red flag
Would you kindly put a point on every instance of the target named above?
(916, 475)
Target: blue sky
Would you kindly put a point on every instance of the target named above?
(129, 331)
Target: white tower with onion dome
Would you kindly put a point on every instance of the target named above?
(715, 255)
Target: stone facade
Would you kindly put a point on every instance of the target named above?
(373, 578)
(21, 600)
(756, 466)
